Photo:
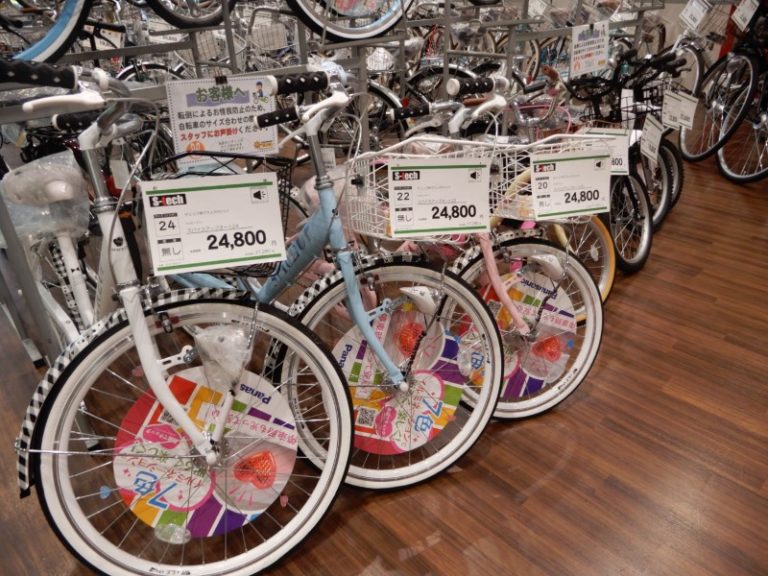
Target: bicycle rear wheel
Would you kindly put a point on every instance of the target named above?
(340, 20)
(450, 354)
(726, 93)
(122, 486)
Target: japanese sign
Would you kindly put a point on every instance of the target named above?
(213, 222)
(571, 183)
(678, 110)
(650, 139)
(219, 117)
(744, 13)
(589, 48)
(438, 196)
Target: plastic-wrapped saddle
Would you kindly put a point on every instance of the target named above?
(46, 197)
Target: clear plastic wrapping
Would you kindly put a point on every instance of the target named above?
(46, 197)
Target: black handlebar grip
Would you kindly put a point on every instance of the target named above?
(277, 117)
(411, 111)
(534, 86)
(37, 74)
(662, 60)
(456, 87)
(75, 122)
(312, 82)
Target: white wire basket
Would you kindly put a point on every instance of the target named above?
(365, 199)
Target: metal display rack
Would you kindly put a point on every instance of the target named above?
(48, 343)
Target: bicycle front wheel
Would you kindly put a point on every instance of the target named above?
(127, 493)
(726, 92)
(450, 352)
(565, 313)
(340, 20)
(630, 222)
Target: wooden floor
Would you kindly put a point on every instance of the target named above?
(657, 465)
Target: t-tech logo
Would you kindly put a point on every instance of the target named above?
(168, 200)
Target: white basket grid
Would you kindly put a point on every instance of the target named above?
(366, 194)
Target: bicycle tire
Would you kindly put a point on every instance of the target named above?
(87, 386)
(657, 179)
(726, 91)
(570, 330)
(591, 242)
(58, 39)
(398, 443)
(630, 223)
(182, 20)
(328, 22)
(744, 158)
(675, 162)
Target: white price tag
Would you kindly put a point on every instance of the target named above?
(216, 117)
(439, 196)
(213, 222)
(670, 110)
(329, 157)
(651, 138)
(572, 183)
(589, 48)
(619, 144)
(694, 13)
(744, 12)
(687, 109)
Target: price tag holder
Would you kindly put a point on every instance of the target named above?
(651, 138)
(213, 222)
(744, 13)
(694, 13)
(439, 196)
(574, 183)
(619, 145)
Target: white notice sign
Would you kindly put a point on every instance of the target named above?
(438, 196)
(678, 110)
(209, 116)
(213, 222)
(572, 183)
(589, 48)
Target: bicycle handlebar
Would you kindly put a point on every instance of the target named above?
(37, 74)
(74, 122)
(411, 112)
(277, 117)
(295, 84)
(456, 87)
